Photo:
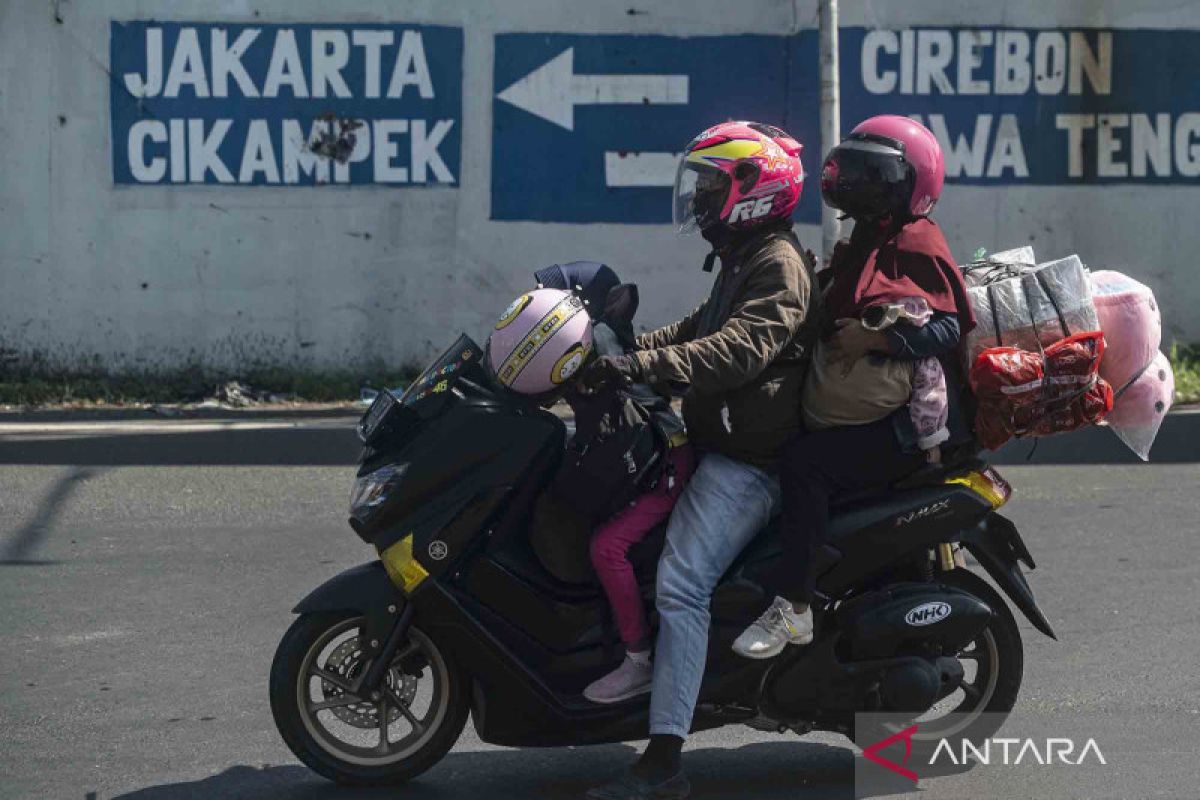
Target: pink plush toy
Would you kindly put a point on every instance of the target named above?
(1140, 375)
(1131, 322)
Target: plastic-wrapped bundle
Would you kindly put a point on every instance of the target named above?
(1018, 255)
(998, 266)
(1139, 409)
(1032, 310)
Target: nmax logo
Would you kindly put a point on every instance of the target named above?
(921, 513)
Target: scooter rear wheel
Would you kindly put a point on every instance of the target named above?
(360, 740)
(990, 687)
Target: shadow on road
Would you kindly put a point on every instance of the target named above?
(327, 446)
(762, 771)
(16, 551)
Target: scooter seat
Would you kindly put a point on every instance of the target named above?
(849, 514)
(929, 475)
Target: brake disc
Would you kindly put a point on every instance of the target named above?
(347, 662)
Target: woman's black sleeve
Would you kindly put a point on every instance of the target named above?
(935, 338)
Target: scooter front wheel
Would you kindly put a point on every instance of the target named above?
(361, 739)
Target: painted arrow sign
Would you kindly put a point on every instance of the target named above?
(553, 90)
(587, 128)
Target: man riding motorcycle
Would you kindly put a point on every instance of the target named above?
(740, 355)
(468, 613)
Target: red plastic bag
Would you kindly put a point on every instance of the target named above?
(1021, 393)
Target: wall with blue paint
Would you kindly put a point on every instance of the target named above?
(236, 200)
(271, 105)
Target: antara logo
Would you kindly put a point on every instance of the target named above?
(751, 209)
(921, 513)
(1006, 751)
(1050, 751)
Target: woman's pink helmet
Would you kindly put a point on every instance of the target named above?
(540, 341)
(887, 163)
(740, 174)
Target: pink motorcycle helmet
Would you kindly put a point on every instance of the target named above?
(887, 165)
(540, 341)
(741, 174)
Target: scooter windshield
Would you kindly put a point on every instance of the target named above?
(459, 359)
(391, 414)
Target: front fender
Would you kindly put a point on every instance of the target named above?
(365, 589)
(997, 546)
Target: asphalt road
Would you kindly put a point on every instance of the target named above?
(141, 598)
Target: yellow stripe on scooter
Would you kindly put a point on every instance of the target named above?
(402, 567)
(980, 485)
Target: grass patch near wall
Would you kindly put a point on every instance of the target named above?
(193, 385)
(276, 384)
(1185, 361)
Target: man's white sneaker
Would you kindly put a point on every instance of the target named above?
(778, 627)
(628, 680)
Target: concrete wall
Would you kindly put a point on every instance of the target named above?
(129, 276)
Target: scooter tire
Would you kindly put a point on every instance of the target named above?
(290, 656)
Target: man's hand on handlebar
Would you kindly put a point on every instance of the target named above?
(608, 371)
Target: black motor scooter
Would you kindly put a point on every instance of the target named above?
(462, 613)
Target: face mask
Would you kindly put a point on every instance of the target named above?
(719, 235)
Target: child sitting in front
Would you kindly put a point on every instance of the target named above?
(610, 556)
(596, 411)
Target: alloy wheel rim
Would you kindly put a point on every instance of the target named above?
(984, 651)
(343, 723)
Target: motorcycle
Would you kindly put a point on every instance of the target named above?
(461, 614)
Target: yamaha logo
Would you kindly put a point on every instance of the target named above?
(927, 614)
(438, 550)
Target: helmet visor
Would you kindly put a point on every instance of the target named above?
(866, 179)
(700, 193)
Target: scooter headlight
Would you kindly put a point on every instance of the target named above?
(371, 491)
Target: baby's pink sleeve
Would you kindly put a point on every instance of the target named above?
(929, 406)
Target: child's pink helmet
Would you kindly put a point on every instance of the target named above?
(740, 174)
(887, 165)
(540, 341)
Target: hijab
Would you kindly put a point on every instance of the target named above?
(886, 262)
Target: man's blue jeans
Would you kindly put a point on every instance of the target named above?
(724, 506)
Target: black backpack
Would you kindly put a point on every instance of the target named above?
(615, 456)
(622, 435)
